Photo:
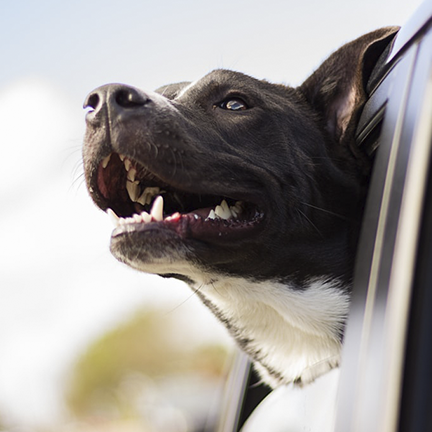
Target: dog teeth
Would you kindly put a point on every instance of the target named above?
(142, 199)
(127, 164)
(148, 194)
(131, 174)
(114, 218)
(106, 160)
(137, 218)
(157, 209)
(237, 208)
(133, 190)
(211, 215)
(224, 211)
(146, 217)
(174, 217)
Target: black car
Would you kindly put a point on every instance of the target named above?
(385, 382)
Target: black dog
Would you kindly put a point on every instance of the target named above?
(250, 192)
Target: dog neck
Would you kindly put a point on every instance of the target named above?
(292, 334)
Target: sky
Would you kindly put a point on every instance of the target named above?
(59, 286)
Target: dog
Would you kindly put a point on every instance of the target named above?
(250, 192)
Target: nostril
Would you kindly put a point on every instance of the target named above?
(92, 101)
(115, 97)
(130, 98)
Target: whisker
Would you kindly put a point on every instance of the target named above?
(325, 211)
(79, 178)
(312, 224)
(194, 292)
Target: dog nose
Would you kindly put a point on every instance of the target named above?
(118, 97)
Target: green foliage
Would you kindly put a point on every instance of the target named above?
(149, 345)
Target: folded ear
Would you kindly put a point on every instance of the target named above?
(171, 91)
(336, 90)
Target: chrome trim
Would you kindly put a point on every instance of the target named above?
(404, 257)
(234, 393)
(363, 370)
(412, 28)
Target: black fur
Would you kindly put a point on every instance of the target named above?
(286, 153)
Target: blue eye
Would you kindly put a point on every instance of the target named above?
(234, 104)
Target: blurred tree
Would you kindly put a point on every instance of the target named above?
(148, 348)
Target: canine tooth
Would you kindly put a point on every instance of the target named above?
(157, 209)
(133, 190)
(131, 174)
(211, 215)
(127, 164)
(114, 218)
(146, 217)
(106, 160)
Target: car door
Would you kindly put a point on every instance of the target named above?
(385, 385)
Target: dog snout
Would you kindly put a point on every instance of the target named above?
(117, 98)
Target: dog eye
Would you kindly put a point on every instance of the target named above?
(233, 104)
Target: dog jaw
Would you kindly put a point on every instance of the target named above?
(292, 334)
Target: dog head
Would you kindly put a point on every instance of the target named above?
(251, 192)
(258, 180)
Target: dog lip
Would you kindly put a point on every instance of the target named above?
(185, 222)
(191, 226)
(112, 186)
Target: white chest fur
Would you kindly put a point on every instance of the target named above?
(292, 334)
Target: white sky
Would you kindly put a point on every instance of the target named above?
(59, 286)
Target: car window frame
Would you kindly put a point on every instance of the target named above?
(377, 375)
(374, 354)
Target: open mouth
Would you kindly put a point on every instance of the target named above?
(138, 200)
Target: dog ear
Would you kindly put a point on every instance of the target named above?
(170, 91)
(337, 88)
